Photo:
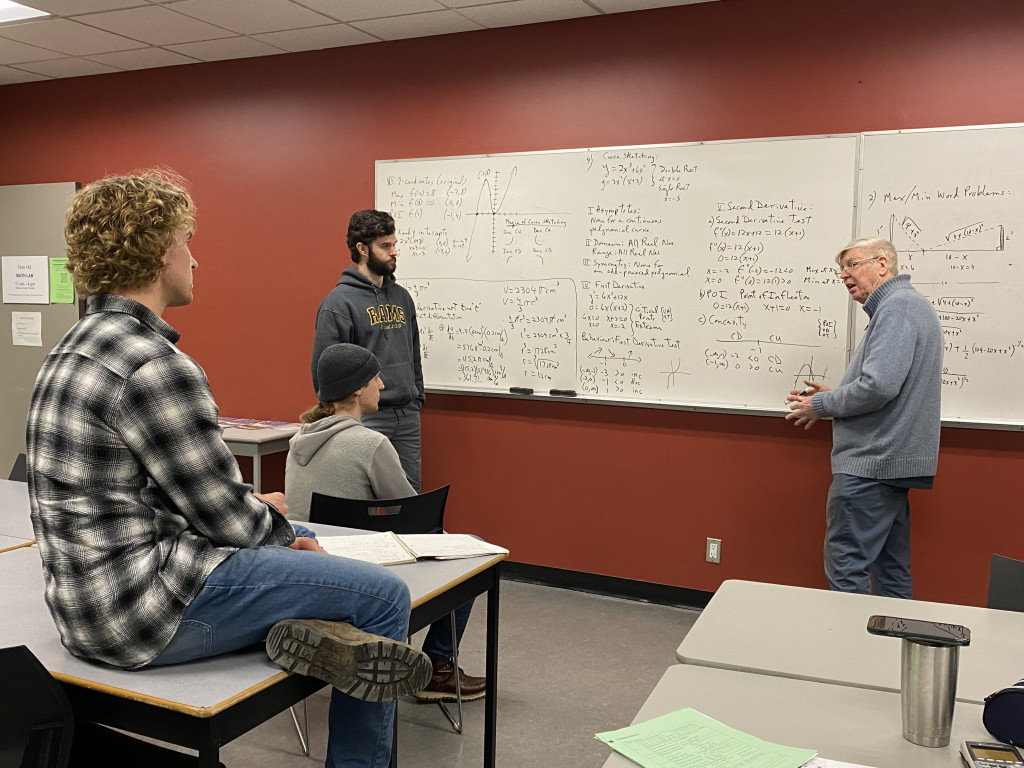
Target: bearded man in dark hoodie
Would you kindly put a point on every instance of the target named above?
(368, 308)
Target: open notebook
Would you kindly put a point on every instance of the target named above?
(393, 549)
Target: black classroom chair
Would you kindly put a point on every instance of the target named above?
(36, 721)
(416, 514)
(19, 471)
(1006, 584)
(38, 727)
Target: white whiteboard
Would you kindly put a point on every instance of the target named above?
(952, 202)
(695, 275)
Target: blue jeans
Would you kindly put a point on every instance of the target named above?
(256, 588)
(867, 536)
(438, 641)
(402, 427)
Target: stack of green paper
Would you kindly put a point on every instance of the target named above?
(688, 739)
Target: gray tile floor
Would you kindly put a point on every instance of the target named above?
(571, 664)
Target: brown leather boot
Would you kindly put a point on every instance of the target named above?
(442, 684)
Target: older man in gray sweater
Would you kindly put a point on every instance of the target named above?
(885, 424)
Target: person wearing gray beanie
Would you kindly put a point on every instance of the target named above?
(343, 369)
(333, 453)
(336, 455)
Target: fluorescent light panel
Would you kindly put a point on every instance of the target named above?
(14, 12)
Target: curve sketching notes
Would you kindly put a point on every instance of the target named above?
(695, 274)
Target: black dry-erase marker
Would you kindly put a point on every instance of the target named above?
(563, 393)
(521, 390)
(806, 391)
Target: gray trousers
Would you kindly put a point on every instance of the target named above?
(402, 427)
(867, 537)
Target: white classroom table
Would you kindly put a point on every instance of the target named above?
(853, 725)
(820, 635)
(14, 519)
(13, 542)
(206, 703)
(257, 443)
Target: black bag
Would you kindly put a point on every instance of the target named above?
(1003, 715)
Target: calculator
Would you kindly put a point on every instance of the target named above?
(979, 754)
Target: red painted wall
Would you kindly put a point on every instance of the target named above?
(280, 150)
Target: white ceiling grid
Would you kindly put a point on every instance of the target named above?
(92, 37)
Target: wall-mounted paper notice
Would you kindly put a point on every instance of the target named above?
(62, 289)
(26, 280)
(27, 329)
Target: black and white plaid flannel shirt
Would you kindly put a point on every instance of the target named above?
(135, 498)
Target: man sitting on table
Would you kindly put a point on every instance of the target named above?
(154, 551)
(335, 454)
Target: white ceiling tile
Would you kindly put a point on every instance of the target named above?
(357, 10)
(114, 32)
(9, 76)
(143, 58)
(228, 48)
(527, 12)
(70, 67)
(317, 38)
(468, 3)
(417, 25)
(12, 52)
(249, 18)
(75, 7)
(155, 25)
(618, 6)
(66, 36)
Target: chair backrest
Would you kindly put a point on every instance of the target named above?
(416, 514)
(36, 721)
(19, 471)
(1006, 584)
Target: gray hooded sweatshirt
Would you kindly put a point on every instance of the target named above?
(338, 456)
(382, 320)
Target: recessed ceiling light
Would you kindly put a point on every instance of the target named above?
(14, 12)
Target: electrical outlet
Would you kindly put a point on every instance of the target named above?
(714, 551)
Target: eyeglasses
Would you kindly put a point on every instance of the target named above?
(850, 265)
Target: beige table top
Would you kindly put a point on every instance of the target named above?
(854, 725)
(819, 635)
(14, 519)
(7, 543)
(199, 688)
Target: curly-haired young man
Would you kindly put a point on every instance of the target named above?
(154, 551)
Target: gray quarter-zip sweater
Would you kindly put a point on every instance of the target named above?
(885, 411)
